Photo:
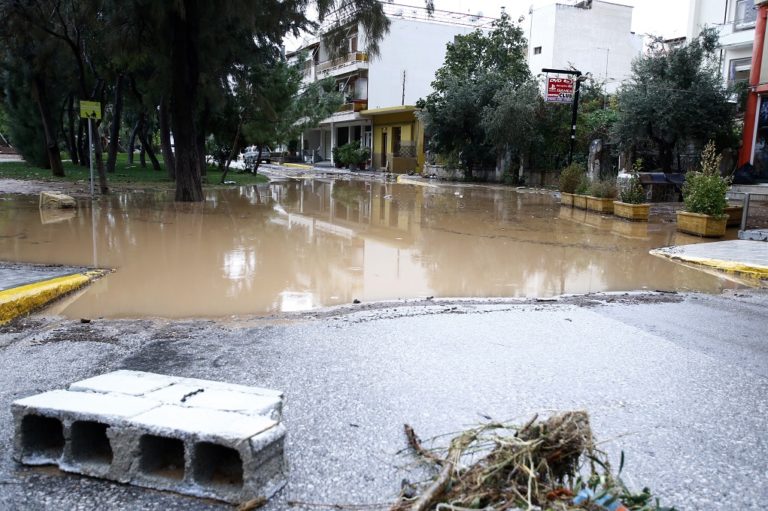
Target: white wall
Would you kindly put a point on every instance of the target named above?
(707, 12)
(416, 47)
(586, 39)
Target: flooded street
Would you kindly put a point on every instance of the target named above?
(297, 245)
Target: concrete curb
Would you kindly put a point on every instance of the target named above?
(733, 267)
(22, 300)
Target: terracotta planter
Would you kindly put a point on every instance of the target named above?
(566, 199)
(634, 212)
(580, 201)
(734, 215)
(599, 204)
(700, 225)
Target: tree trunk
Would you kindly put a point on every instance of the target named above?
(232, 151)
(51, 145)
(185, 74)
(98, 159)
(258, 162)
(132, 142)
(71, 140)
(143, 156)
(146, 145)
(114, 136)
(666, 156)
(165, 140)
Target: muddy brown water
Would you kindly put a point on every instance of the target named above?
(297, 245)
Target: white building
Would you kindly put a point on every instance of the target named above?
(591, 36)
(735, 20)
(381, 91)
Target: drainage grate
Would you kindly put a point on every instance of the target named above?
(161, 457)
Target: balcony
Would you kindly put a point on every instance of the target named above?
(349, 62)
(745, 16)
(355, 105)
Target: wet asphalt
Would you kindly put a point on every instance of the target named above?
(678, 382)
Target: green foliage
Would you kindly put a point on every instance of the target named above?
(675, 96)
(571, 177)
(351, 154)
(583, 186)
(482, 84)
(633, 192)
(603, 189)
(704, 190)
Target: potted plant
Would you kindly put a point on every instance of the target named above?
(580, 194)
(632, 203)
(570, 178)
(601, 195)
(704, 198)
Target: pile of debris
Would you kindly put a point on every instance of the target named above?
(550, 464)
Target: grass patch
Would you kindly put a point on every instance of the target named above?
(125, 174)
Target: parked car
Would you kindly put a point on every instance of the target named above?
(251, 156)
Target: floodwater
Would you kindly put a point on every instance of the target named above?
(303, 244)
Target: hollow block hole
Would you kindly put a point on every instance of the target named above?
(90, 443)
(161, 457)
(42, 436)
(217, 465)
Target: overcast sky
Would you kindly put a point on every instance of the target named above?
(659, 17)
(668, 18)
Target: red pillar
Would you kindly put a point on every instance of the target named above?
(750, 114)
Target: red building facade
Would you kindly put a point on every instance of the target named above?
(754, 149)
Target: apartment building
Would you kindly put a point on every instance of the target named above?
(735, 21)
(381, 91)
(592, 36)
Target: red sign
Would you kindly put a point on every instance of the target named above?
(559, 90)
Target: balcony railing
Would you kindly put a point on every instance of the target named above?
(349, 58)
(354, 106)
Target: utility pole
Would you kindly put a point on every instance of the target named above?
(574, 103)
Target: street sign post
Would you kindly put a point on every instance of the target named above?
(559, 90)
(90, 110)
(567, 89)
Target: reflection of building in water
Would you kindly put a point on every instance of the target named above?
(371, 230)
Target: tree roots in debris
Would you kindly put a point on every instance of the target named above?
(550, 464)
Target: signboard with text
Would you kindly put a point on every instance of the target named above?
(559, 90)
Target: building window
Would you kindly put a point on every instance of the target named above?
(738, 70)
(745, 15)
(537, 50)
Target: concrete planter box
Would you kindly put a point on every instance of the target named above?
(701, 225)
(634, 212)
(734, 215)
(580, 201)
(566, 199)
(599, 204)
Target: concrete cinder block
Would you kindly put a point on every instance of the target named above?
(196, 437)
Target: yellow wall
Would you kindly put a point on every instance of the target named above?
(411, 130)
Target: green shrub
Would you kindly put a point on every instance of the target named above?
(351, 154)
(633, 192)
(704, 190)
(570, 177)
(603, 189)
(583, 186)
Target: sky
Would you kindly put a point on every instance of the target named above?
(668, 18)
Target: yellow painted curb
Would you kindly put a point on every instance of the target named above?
(298, 166)
(740, 268)
(22, 300)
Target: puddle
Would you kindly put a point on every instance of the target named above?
(298, 245)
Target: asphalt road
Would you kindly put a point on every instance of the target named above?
(677, 382)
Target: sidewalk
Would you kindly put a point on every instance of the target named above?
(27, 287)
(741, 257)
